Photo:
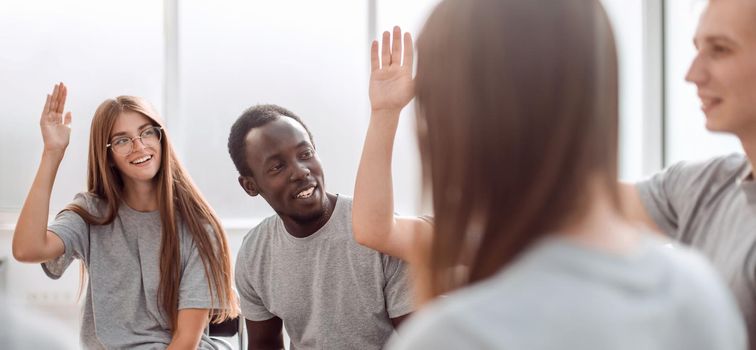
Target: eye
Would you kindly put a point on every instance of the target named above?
(151, 132)
(276, 168)
(307, 154)
(718, 50)
(121, 141)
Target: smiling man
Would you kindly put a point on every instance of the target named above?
(301, 267)
(711, 205)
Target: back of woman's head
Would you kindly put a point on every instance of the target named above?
(517, 103)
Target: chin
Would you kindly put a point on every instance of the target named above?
(715, 123)
(144, 177)
(711, 127)
(313, 215)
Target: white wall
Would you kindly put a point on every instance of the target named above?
(100, 49)
(627, 20)
(235, 54)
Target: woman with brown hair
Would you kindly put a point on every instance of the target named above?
(155, 254)
(517, 124)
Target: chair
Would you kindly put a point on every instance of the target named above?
(227, 329)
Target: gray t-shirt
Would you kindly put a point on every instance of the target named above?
(330, 292)
(711, 206)
(121, 309)
(560, 295)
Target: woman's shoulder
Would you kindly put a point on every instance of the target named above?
(90, 202)
(438, 326)
(702, 297)
(679, 259)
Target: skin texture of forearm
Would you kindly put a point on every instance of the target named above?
(373, 207)
(191, 325)
(30, 239)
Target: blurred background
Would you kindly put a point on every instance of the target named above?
(201, 63)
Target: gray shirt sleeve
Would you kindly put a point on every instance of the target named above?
(397, 290)
(74, 232)
(663, 197)
(194, 290)
(252, 307)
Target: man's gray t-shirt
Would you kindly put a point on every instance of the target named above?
(121, 309)
(711, 206)
(330, 292)
(560, 295)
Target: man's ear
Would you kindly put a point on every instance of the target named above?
(249, 185)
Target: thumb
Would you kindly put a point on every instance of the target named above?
(67, 120)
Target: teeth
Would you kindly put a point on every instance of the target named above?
(141, 160)
(306, 193)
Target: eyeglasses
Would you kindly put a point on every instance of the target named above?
(124, 145)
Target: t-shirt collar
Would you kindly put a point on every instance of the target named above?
(747, 182)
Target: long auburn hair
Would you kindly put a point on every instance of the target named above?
(517, 112)
(177, 194)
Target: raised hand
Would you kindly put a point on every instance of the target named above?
(56, 129)
(391, 83)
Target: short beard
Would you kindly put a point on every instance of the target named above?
(309, 218)
(318, 216)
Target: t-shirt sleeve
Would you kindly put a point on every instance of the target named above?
(661, 197)
(194, 290)
(252, 306)
(74, 232)
(397, 290)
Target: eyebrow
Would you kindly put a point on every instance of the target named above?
(278, 155)
(123, 133)
(714, 38)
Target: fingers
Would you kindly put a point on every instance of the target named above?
(392, 52)
(54, 100)
(67, 120)
(375, 64)
(396, 47)
(385, 50)
(409, 54)
(47, 105)
(62, 98)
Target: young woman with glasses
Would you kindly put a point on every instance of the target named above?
(155, 254)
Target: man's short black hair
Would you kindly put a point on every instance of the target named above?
(254, 117)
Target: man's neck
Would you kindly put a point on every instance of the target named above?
(305, 229)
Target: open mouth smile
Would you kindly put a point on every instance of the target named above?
(306, 193)
(141, 160)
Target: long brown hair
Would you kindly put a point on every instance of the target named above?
(517, 112)
(177, 194)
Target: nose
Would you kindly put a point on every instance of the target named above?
(697, 73)
(301, 171)
(137, 144)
